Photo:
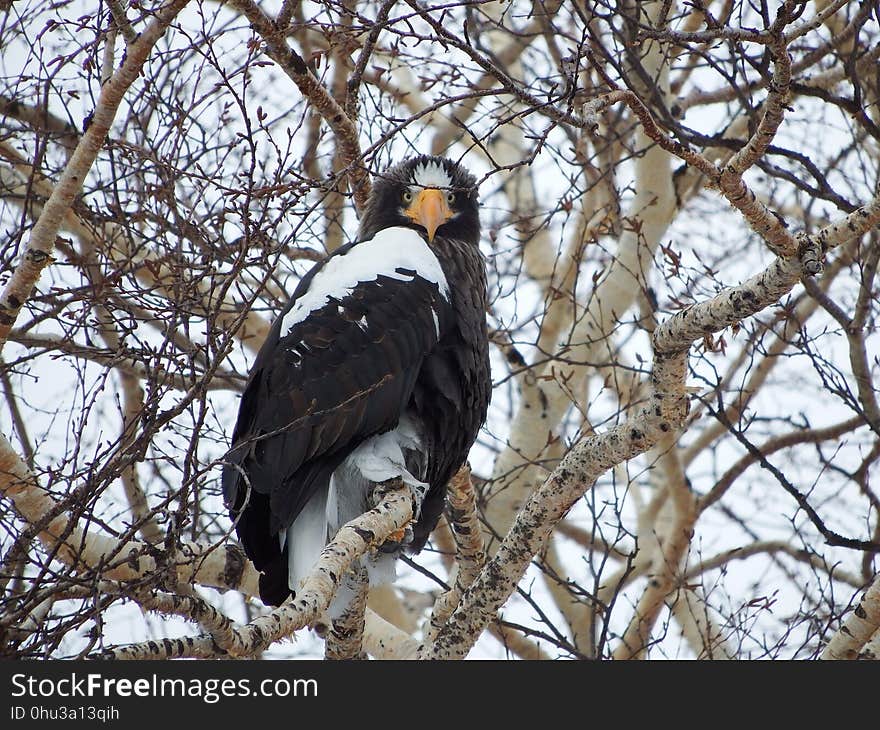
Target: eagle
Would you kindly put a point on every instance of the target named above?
(377, 369)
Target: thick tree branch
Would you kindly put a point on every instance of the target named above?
(470, 554)
(346, 637)
(858, 628)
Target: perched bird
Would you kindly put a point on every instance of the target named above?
(378, 368)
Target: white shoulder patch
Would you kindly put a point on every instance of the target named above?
(431, 175)
(382, 255)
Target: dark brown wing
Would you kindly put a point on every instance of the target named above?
(340, 375)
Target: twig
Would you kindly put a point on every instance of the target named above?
(40, 246)
(295, 67)
(831, 537)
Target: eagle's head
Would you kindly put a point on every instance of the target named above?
(433, 195)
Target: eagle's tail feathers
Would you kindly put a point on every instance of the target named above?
(397, 454)
(306, 538)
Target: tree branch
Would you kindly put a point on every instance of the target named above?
(858, 627)
(295, 67)
(40, 246)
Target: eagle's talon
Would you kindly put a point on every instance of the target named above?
(380, 490)
(397, 535)
(397, 539)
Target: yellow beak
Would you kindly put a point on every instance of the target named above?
(430, 210)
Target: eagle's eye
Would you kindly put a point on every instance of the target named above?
(450, 198)
(407, 196)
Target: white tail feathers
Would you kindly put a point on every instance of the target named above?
(392, 455)
(306, 537)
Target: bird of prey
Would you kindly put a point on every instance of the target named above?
(377, 369)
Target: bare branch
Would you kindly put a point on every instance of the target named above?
(346, 636)
(38, 252)
(295, 67)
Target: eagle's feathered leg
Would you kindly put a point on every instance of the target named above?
(395, 456)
